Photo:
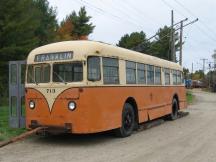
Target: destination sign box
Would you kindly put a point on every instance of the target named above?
(53, 56)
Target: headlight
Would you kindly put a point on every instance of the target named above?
(71, 105)
(32, 104)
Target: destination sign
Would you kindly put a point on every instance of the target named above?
(53, 56)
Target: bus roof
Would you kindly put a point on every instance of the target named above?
(83, 48)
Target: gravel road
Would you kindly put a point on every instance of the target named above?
(189, 139)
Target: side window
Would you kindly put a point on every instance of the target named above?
(141, 74)
(130, 72)
(167, 76)
(182, 77)
(174, 77)
(110, 71)
(157, 75)
(179, 77)
(150, 74)
(94, 73)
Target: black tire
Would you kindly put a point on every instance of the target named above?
(128, 121)
(175, 108)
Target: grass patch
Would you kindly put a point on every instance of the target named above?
(5, 131)
(190, 97)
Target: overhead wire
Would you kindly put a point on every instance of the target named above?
(191, 13)
(124, 14)
(173, 8)
(98, 10)
(133, 11)
(198, 27)
(106, 12)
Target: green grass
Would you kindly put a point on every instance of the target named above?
(5, 131)
(190, 97)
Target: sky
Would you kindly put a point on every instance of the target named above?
(115, 18)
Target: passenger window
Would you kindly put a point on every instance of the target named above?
(157, 75)
(182, 77)
(130, 72)
(174, 77)
(167, 76)
(150, 74)
(141, 74)
(110, 71)
(178, 77)
(94, 73)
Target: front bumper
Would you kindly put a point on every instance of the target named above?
(67, 128)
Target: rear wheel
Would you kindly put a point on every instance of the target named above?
(174, 114)
(128, 121)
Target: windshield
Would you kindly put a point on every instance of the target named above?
(39, 73)
(68, 72)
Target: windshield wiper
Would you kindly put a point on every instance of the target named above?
(62, 80)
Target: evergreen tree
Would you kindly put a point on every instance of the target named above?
(46, 30)
(75, 26)
(24, 25)
(135, 41)
(160, 47)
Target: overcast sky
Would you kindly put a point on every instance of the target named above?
(114, 18)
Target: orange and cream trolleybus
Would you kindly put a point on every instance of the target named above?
(87, 87)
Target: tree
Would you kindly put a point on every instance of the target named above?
(24, 25)
(161, 46)
(136, 41)
(64, 33)
(198, 75)
(186, 73)
(75, 26)
(46, 30)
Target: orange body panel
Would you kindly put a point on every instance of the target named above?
(100, 108)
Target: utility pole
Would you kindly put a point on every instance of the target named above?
(204, 61)
(181, 43)
(192, 72)
(214, 72)
(210, 75)
(172, 41)
(181, 37)
(214, 57)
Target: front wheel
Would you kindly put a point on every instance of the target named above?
(128, 121)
